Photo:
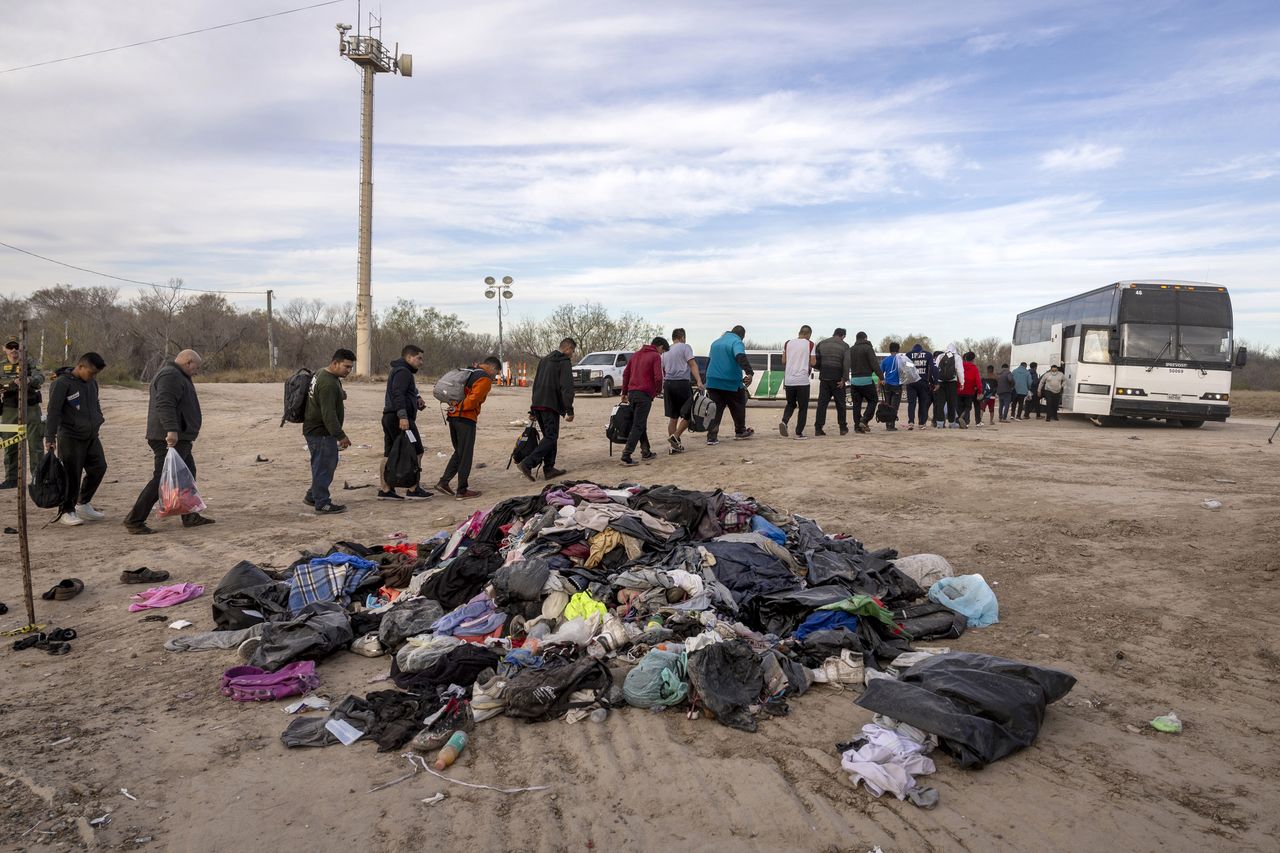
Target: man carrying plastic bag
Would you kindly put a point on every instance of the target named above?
(173, 425)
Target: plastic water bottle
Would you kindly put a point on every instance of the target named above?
(452, 749)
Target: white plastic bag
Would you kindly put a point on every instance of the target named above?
(178, 494)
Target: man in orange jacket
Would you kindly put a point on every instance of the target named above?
(462, 429)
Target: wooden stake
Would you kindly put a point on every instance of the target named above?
(23, 461)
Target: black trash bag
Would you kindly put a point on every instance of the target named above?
(782, 612)
(728, 679)
(981, 707)
(696, 512)
(545, 694)
(820, 645)
(244, 592)
(749, 571)
(48, 486)
(463, 578)
(404, 465)
(931, 621)
(408, 619)
(460, 665)
(320, 629)
(521, 582)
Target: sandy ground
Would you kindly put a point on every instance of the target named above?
(1104, 561)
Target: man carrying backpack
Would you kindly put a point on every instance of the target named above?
(950, 377)
(9, 370)
(728, 376)
(75, 417)
(552, 400)
(831, 358)
(173, 421)
(400, 409)
(679, 376)
(322, 429)
(641, 382)
(864, 369)
(462, 419)
(798, 360)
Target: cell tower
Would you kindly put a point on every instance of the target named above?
(372, 57)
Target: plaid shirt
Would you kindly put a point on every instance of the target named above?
(331, 578)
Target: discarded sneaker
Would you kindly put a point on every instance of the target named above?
(143, 575)
(66, 589)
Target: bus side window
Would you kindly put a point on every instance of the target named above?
(1094, 346)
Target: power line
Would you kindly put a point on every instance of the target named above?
(121, 278)
(169, 38)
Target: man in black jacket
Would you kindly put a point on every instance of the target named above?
(864, 374)
(10, 367)
(552, 399)
(832, 363)
(400, 415)
(173, 420)
(75, 417)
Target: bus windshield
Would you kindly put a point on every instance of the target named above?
(1176, 324)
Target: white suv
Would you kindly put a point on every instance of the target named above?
(600, 372)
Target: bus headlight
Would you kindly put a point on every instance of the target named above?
(1130, 392)
(1222, 397)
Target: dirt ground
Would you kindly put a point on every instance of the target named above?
(1104, 561)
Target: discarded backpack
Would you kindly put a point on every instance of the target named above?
(247, 595)
(728, 679)
(254, 684)
(452, 387)
(315, 632)
(296, 389)
(544, 694)
(619, 427)
(525, 444)
(404, 465)
(48, 488)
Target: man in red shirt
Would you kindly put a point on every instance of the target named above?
(641, 382)
(970, 389)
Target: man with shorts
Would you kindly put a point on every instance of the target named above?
(679, 377)
(400, 414)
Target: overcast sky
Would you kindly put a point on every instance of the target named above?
(896, 167)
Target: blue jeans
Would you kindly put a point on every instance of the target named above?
(324, 461)
(1006, 399)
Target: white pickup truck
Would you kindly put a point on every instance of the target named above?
(600, 372)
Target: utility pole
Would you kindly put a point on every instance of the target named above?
(66, 340)
(271, 335)
(372, 57)
(502, 293)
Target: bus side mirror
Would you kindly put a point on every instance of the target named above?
(1242, 356)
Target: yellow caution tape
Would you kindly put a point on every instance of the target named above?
(19, 433)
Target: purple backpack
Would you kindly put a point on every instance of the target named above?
(253, 684)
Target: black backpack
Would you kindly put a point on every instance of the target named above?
(296, 389)
(947, 368)
(525, 444)
(404, 467)
(619, 427)
(48, 488)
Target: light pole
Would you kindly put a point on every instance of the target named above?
(492, 290)
(372, 58)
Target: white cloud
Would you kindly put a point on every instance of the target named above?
(1085, 157)
(997, 41)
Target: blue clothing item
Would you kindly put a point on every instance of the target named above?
(331, 578)
(1021, 381)
(477, 616)
(324, 461)
(723, 371)
(826, 620)
(862, 380)
(889, 367)
(762, 525)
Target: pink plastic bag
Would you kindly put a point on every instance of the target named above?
(178, 495)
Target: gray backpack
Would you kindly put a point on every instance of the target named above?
(452, 387)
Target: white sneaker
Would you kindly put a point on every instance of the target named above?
(71, 519)
(86, 512)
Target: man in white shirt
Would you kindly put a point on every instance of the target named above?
(797, 360)
(679, 377)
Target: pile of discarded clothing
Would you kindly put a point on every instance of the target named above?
(584, 598)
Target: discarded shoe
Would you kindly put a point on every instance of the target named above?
(65, 590)
(143, 575)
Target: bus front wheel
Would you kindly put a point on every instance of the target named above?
(1106, 420)
(1192, 424)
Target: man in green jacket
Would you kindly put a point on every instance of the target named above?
(10, 366)
(322, 428)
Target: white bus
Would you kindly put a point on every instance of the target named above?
(1142, 349)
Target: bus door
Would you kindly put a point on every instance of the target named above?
(1068, 359)
(1095, 372)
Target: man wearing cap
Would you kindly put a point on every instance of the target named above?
(9, 370)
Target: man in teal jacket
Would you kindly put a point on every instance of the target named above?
(726, 371)
(1021, 388)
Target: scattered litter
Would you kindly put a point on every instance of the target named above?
(190, 694)
(261, 458)
(66, 739)
(398, 535)
(440, 454)
(125, 791)
(180, 624)
(99, 822)
(1168, 723)
(154, 617)
(422, 761)
(12, 531)
(363, 446)
(1220, 480)
(350, 488)
(142, 839)
(431, 801)
(1132, 729)
(346, 733)
(1211, 504)
(307, 703)
(518, 423)
(480, 465)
